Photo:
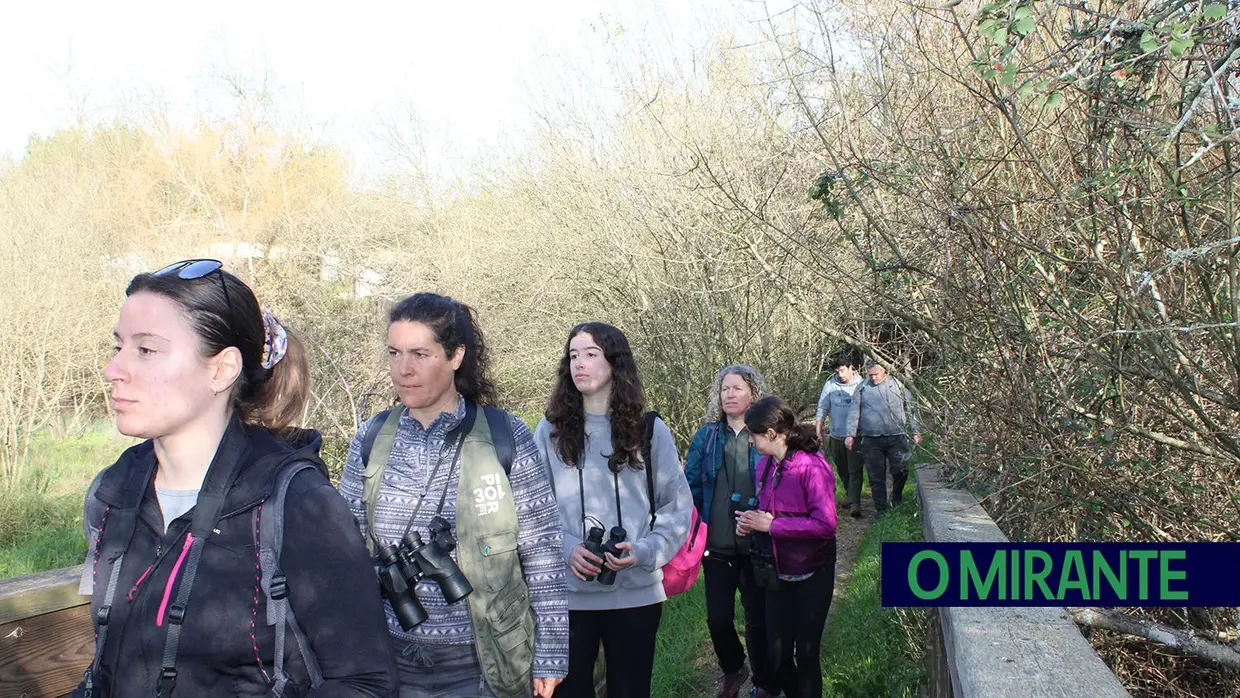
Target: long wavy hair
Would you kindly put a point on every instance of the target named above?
(566, 409)
(714, 403)
(455, 325)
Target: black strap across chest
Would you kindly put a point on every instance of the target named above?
(219, 479)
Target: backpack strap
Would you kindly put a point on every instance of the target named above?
(124, 523)
(270, 535)
(501, 437)
(368, 443)
(207, 511)
(380, 437)
(647, 449)
(379, 441)
(714, 433)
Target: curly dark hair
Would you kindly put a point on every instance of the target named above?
(454, 324)
(566, 410)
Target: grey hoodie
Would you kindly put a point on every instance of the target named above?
(885, 409)
(836, 401)
(641, 584)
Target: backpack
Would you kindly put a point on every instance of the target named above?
(681, 572)
(383, 433)
(270, 542)
(497, 420)
(275, 586)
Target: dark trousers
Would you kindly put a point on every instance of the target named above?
(725, 575)
(627, 635)
(883, 453)
(796, 613)
(439, 671)
(848, 469)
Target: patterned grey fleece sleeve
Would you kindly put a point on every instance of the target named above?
(542, 557)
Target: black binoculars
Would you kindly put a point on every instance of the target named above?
(594, 543)
(402, 566)
(762, 558)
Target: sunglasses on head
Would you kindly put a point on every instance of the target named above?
(191, 269)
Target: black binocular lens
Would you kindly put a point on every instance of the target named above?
(594, 545)
(403, 566)
(618, 534)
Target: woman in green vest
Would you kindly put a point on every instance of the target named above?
(616, 535)
(483, 610)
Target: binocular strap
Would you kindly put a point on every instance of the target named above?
(581, 490)
(461, 431)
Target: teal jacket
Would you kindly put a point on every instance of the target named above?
(703, 463)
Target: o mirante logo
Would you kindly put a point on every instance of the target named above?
(1061, 574)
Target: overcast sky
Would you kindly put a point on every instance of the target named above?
(468, 71)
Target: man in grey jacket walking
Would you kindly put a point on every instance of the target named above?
(881, 418)
(834, 405)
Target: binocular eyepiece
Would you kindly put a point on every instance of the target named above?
(402, 566)
(595, 545)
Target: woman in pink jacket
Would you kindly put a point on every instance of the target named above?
(793, 543)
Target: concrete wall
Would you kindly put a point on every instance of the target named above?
(1005, 652)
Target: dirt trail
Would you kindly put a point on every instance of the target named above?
(849, 533)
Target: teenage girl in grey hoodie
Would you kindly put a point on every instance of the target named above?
(593, 437)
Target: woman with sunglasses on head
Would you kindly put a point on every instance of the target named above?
(616, 539)
(792, 546)
(219, 540)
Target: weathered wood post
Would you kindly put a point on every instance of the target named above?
(46, 636)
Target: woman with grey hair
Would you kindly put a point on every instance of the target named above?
(721, 469)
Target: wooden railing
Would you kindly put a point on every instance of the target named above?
(46, 636)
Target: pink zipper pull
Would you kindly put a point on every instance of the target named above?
(163, 605)
(138, 583)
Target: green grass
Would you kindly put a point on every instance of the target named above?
(66, 463)
(681, 667)
(41, 515)
(50, 549)
(869, 650)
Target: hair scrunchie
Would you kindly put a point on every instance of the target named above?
(275, 340)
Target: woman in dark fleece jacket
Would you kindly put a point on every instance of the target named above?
(793, 543)
(212, 381)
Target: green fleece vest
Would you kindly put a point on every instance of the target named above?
(486, 533)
